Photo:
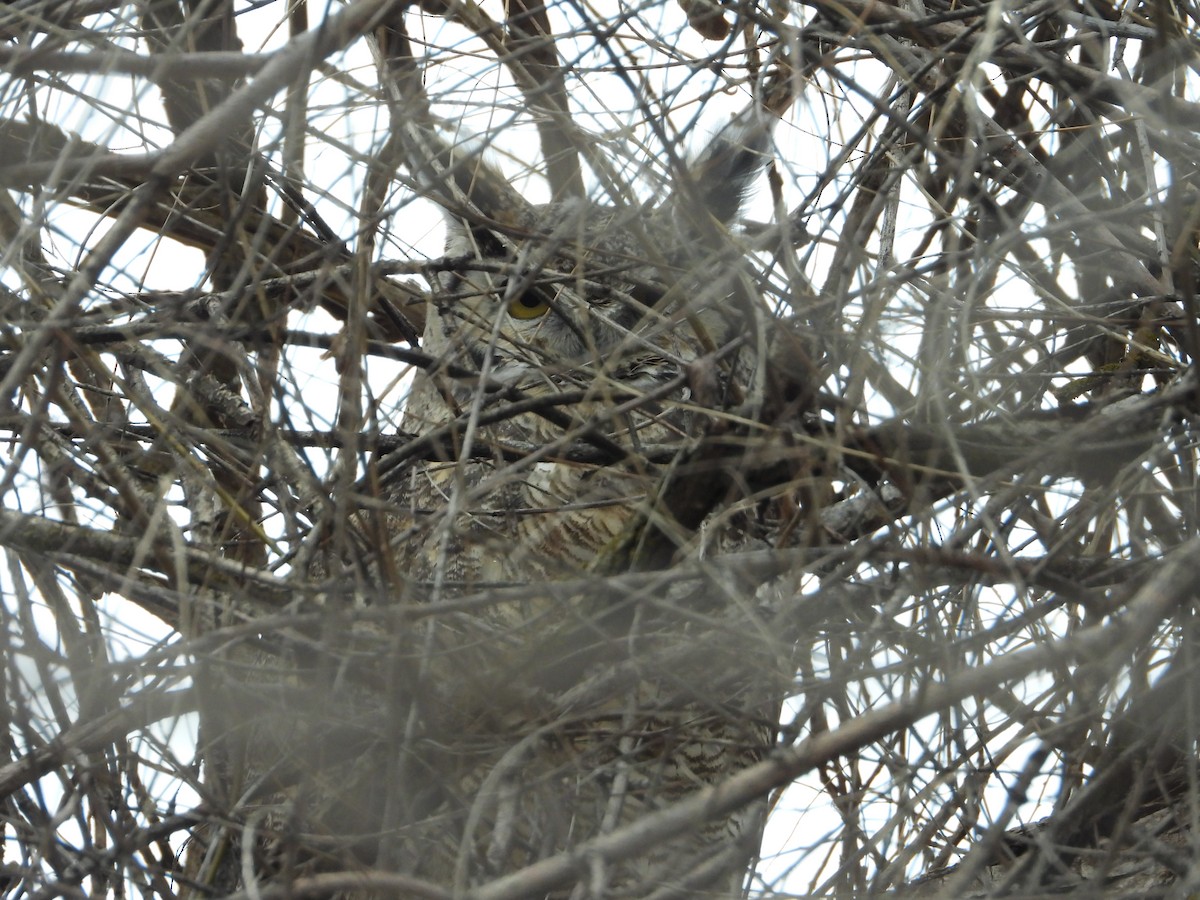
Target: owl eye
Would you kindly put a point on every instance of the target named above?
(528, 306)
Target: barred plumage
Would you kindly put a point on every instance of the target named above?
(615, 303)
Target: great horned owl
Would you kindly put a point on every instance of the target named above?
(608, 341)
(556, 676)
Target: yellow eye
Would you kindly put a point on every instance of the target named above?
(528, 306)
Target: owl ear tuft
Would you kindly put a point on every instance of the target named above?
(472, 193)
(720, 178)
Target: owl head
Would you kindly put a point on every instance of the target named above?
(581, 290)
